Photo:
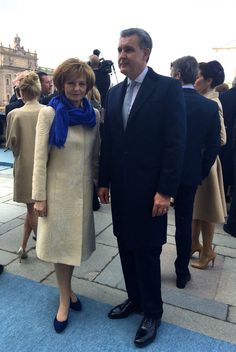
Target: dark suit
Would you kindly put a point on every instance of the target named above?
(202, 147)
(228, 155)
(228, 101)
(136, 163)
(14, 105)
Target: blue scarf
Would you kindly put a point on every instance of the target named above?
(68, 115)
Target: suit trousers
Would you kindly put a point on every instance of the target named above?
(142, 275)
(183, 206)
(231, 221)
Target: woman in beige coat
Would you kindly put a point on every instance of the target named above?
(66, 160)
(21, 129)
(209, 203)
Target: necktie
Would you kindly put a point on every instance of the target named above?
(127, 102)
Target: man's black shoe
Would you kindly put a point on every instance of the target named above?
(147, 331)
(227, 229)
(1, 268)
(123, 310)
(182, 281)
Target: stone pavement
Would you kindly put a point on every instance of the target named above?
(207, 304)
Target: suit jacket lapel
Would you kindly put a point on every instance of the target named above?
(144, 92)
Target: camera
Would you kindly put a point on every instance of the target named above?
(106, 65)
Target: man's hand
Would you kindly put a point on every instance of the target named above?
(103, 194)
(40, 208)
(161, 204)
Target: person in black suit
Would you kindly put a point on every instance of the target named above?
(202, 147)
(226, 152)
(141, 160)
(103, 80)
(228, 101)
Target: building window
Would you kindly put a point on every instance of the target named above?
(7, 82)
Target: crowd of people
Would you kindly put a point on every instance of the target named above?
(160, 142)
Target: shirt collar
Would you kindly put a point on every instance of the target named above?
(140, 77)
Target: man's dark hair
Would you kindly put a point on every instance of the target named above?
(145, 41)
(41, 74)
(96, 52)
(187, 67)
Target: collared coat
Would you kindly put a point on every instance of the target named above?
(209, 202)
(64, 178)
(145, 158)
(20, 135)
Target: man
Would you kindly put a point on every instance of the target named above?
(202, 147)
(46, 86)
(103, 80)
(1, 268)
(228, 100)
(141, 160)
(226, 152)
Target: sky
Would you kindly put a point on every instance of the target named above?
(58, 30)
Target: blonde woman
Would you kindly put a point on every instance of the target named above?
(21, 129)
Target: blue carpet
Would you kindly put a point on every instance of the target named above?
(6, 157)
(27, 310)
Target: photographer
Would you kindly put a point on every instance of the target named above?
(103, 80)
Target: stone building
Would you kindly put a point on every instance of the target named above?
(13, 60)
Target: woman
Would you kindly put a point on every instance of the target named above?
(66, 160)
(21, 128)
(209, 204)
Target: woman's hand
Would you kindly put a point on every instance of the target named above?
(40, 208)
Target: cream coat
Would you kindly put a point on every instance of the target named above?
(20, 133)
(64, 178)
(209, 203)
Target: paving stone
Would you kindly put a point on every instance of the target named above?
(96, 291)
(5, 191)
(102, 221)
(200, 323)
(199, 305)
(12, 239)
(98, 260)
(225, 251)
(204, 283)
(31, 268)
(112, 274)
(107, 237)
(9, 212)
(224, 241)
(232, 315)
(6, 257)
(227, 288)
(5, 227)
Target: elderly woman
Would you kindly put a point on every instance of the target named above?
(66, 160)
(21, 129)
(209, 205)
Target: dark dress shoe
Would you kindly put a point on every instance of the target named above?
(1, 268)
(76, 305)
(60, 326)
(182, 281)
(123, 310)
(147, 331)
(229, 230)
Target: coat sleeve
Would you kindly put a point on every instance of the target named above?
(39, 189)
(175, 139)
(212, 144)
(13, 133)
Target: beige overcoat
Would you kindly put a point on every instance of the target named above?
(209, 202)
(20, 136)
(64, 178)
